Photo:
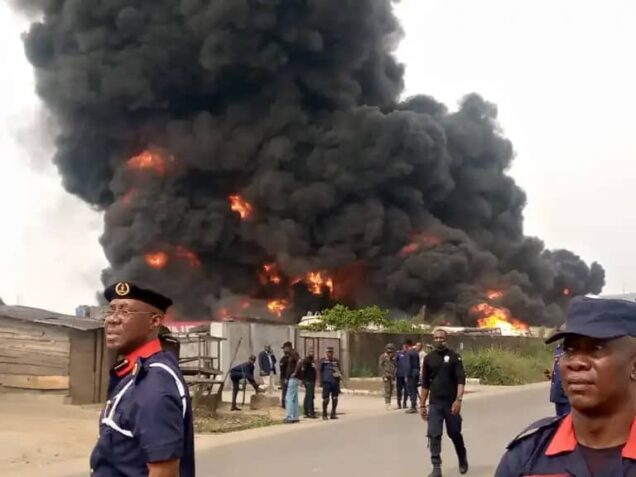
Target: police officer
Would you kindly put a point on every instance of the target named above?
(388, 370)
(598, 370)
(443, 381)
(403, 368)
(146, 426)
(330, 376)
(557, 394)
(243, 371)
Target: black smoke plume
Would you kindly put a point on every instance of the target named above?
(293, 105)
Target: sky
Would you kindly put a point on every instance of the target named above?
(561, 74)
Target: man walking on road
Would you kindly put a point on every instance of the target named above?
(388, 369)
(598, 368)
(443, 381)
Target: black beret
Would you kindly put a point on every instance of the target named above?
(130, 291)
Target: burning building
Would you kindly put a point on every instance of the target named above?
(256, 157)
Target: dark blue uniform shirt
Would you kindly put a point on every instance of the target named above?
(403, 364)
(549, 448)
(327, 370)
(557, 394)
(148, 417)
(243, 371)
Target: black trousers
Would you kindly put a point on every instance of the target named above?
(283, 386)
(402, 393)
(310, 395)
(236, 386)
(411, 387)
(438, 414)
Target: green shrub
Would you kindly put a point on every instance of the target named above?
(505, 367)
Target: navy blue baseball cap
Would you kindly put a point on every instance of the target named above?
(598, 318)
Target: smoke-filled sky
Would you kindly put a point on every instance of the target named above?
(559, 75)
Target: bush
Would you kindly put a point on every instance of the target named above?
(505, 367)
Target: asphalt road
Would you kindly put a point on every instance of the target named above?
(389, 444)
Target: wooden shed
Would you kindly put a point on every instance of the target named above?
(43, 350)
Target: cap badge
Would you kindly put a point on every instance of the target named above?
(122, 289)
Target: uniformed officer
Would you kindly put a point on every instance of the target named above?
(388, 370)
(243, 371)
(146, 426)
(557, 394)
(330, 376)
(598, 370)
(443, 381)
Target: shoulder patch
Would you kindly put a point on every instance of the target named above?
(535, 427)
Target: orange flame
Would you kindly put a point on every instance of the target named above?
(183, 253)
(420, 241)
(270, 274)
(128, 196)
(241, 206)
(317, 281)
(148, 160)
(277, 306)
(156, 260)
(496, 317)
(494, 294)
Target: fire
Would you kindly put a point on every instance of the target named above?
(409, 249)
(496, 317)
(157, 260)
(270, 274)
(128, 196)
(277, 306)
(149, 160)
(241, 206)
(494, 294)
(317, 281)
(420, 241)
(184, 254)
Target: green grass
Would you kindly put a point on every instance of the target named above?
(363, 372)
(505, 367)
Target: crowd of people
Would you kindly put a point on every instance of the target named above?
(296, 372)
(146, 426)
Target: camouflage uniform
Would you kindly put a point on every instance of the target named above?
(388, 369)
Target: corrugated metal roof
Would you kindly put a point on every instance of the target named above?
(50, 318)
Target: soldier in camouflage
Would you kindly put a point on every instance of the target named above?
(388, 370)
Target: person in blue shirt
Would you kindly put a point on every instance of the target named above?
(557, 394)
(146, 427)
(598, 371)
(402, 363)
(330, 376)
(243, 371)
(413, 374)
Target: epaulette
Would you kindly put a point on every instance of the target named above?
(534, 428)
